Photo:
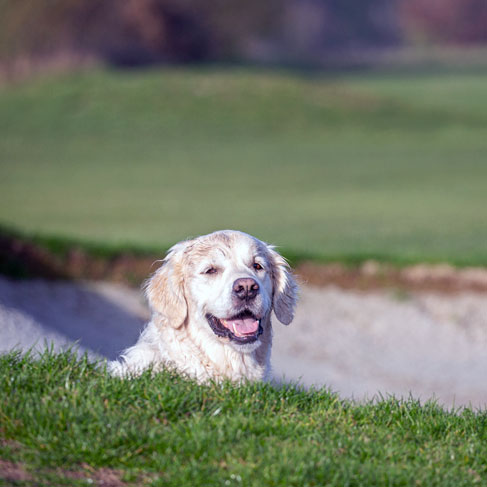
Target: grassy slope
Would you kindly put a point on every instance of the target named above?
(379, 164)
(62, 412)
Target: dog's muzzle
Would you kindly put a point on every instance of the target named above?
(243, 328)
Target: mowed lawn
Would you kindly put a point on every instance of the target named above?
(333, 166)
(65, 422)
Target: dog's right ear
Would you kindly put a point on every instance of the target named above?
(165, 289)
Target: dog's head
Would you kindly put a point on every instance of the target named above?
(227, 282)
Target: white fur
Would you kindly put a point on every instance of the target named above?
(181, 293)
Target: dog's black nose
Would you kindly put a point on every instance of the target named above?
(245, 288)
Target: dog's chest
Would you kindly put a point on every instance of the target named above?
(212, 361)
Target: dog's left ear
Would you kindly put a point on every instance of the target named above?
(285, 288)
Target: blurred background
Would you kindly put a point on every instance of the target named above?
(351, 133)
(337, 129)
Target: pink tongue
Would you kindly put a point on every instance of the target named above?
(242, 327)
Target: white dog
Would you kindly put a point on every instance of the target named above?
(211, 303)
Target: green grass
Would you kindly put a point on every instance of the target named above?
(59, 411)
(380, 164)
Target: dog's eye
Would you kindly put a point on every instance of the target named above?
(257, 267)
(211, 270)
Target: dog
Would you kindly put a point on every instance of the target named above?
(211, 302)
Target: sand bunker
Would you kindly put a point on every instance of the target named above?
(357, 343)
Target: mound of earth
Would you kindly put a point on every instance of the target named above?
(22, 257)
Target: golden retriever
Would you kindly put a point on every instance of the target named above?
(211, 302)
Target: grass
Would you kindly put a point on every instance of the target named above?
(60, 414)
(340, 166)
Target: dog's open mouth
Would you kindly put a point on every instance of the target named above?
(244, 327)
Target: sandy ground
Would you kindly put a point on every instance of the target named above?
(359, 344)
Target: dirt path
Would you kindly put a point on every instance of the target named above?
(358, 343)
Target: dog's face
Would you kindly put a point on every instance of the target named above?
(226, 283)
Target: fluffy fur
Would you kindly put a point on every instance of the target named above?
(194, 297)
